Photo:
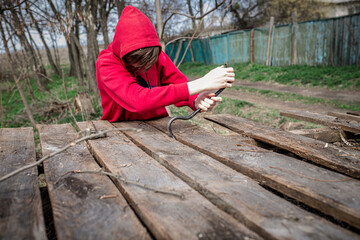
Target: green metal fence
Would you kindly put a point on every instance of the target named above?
(334, 41)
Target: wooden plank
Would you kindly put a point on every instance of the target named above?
(349, 117)
(346, 161)
(79, 207)
(229, 190)
(353, 113)
(166, 216)
(21, 215)
(329, 192)
(326, 120)
(325, 134)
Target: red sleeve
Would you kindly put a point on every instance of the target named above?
(124, 89)
(170, 74)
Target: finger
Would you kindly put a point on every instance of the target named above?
(229, 69)
(230, 74)
(228, 85)
(230, 79)
(205, 104)
(209, 101)
(217, 99)
(203, 109)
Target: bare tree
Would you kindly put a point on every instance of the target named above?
(16, 77)
(120, 5)
(17, 24)
(54, 66)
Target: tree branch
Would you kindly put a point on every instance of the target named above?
(189, 16)
(100, 134)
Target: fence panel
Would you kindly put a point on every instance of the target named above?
(281, 46)
(313, 41)
(260, 45)
(334, 41)
(219, 49)
(239, 47)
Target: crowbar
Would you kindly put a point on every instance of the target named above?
(191, 115)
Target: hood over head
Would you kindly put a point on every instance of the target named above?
(133, 31)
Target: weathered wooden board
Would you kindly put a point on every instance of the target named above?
(346, 125)
(346, 161)
(353, 113)
(166, 216)
(21, 215)
(325, 134)
(80, 207)
(345, 116)
(262, 211)
(279, 172)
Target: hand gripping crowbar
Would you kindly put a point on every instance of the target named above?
(191, 115)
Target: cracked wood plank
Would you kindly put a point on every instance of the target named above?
(345, 116)
(166, 216)
(331, 121)
(21, 215)
(338, 199)
(345, 161)
(79, 210)
(261, 211)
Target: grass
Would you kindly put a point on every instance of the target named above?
(344, 78)
(330, 77)
(14, 112)
(260, 114)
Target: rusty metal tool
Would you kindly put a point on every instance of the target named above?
(191, 115)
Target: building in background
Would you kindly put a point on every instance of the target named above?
(339, 8)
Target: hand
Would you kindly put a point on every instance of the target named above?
(217, 78)
(206, 101)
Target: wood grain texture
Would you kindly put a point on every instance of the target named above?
(78, 209)
(21, 215)
(325, 134)
(279, 219)
(346, 125)
(345, 116)
(166, 216)
(326, 191)
(346, 161)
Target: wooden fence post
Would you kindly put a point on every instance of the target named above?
(252, 46)
(269, 40)
(293, 39)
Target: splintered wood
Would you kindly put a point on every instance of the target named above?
(145, 185)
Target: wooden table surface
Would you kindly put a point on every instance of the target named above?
(260, 183)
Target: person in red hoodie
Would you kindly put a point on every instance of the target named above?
(137, 80)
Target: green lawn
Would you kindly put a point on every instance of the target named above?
(345, 78)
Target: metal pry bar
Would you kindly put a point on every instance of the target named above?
(188, 117)
(191, 115)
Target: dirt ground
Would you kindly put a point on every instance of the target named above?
(346, 96)
(316, 92)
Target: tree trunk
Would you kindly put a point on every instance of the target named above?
(71, 43)
(191, 14)
(104, 19)
(120, 5)
(92, 51)
(54, 67)
(159, 23)
(17, 83)
(201, 6)
(31, 59)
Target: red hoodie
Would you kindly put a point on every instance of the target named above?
(129, 96)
